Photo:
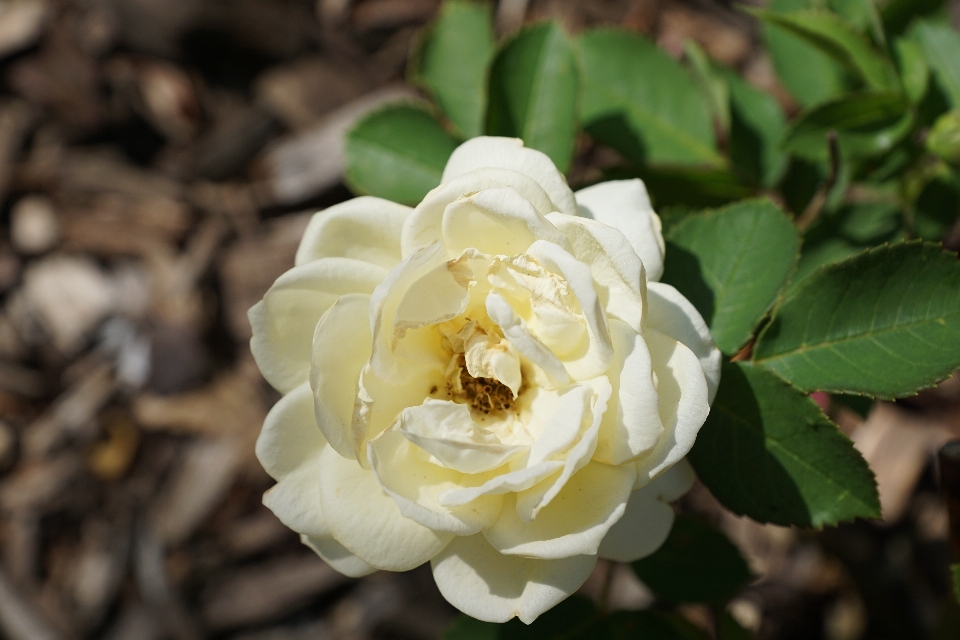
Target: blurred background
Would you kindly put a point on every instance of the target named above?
(159, 160)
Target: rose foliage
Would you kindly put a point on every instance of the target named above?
(495, 382)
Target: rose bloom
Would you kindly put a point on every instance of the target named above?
(493, 381)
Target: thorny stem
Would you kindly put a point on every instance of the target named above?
(815, 207)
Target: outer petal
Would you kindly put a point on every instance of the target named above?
(616, 268)
(364, 228)
(341, 347)
(423, 226)
(496, 221)
(283, 322)
(625, 205)
(647, 521)
(337, 556)
(367, 522)
(489, 586)
(669, 312)
(509, 153)
(574, 523)
(631, 424)
(295, 499)
(415, 485)
(683, 403)
(290, 435)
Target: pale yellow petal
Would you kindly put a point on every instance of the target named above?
(490, 586)
(364, 228)
(368, 522)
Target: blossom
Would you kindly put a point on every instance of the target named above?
(494, 382)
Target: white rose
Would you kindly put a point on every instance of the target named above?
(494, 382)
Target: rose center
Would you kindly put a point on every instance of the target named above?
(486, 395)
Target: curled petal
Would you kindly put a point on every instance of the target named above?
(625, 205)
(284, 321)
(368, 522)
(337, 556)
(631, 424)
(424, 289)
(595, 354)
(672, 314)
(617, 270)
(415, 485)
(574, 523)
(424, 225)
(509, 153)
(682, 388)
(489, 586)
(364, 228)
(341, 348)
(647, 521)
(495, 221)
(446, 431)
(528, 345)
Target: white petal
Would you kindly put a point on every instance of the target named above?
(283, 322)
(489, 586)
(625, 205)
(423, 226)
(648, 519)
(364, 228)
(682, 389)
(295, 499)
(596, 352)
(509, 153)
(425, 288)
(447, 431)
(516, 332)
(530, 502)
(290, 435)
(508, 482)
(631, 424)
(495, 221)
(380, 402)
(617, 270)
(415, 485)
(563, 427)
(670, 313)
(337, 556)
(368, 522)
(574, 523)
(341, 348)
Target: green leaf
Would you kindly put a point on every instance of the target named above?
(467, 628)
(710, 82)
(397, 153)
(533, 92)
(897, 15)
(941, 45)
(884, 323)
(847, 232)
(867, 124)
(863, 15)
(730, 629)
(645, 625)
(731, 263)
(642, 102)
(936, 210)
(837, 38)
(452, 63)
(767, 451)
(697, 563)
(756, 129)
(690, 186)
(944, 137)
(810, 75)
(914, 72)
